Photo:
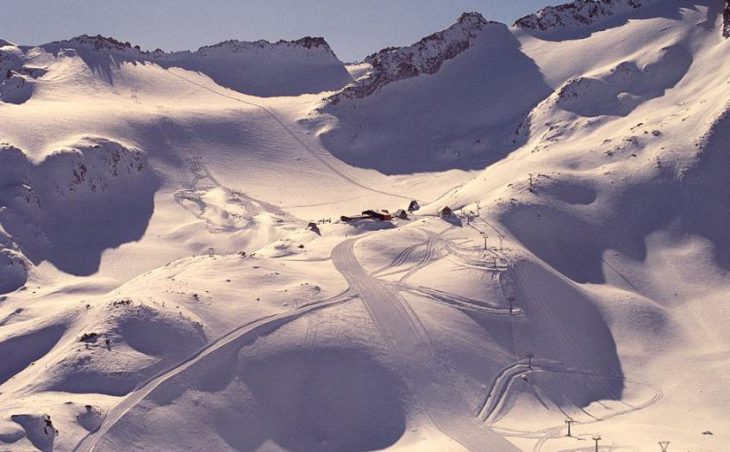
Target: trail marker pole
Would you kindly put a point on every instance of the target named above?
(569, 421)
(596, 439)
(529, 359)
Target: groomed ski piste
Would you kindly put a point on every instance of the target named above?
(162, 287)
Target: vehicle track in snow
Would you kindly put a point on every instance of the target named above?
(408, 341)
(457, 301)
(499, 389)
(294, 136)
(399, 260)
(259, 327)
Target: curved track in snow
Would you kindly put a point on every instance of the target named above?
(407, 339)
(258, 327)
(294, 136)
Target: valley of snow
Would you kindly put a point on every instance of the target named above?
(161, 287)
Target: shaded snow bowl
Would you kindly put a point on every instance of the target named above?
(326, 399)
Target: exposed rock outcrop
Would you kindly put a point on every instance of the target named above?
(424, 57)
(16, 80)
(576, 14)
(90, 196)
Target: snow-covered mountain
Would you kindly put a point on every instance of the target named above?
(424, 57)
(162, 285)
(261, 68)
(474, 66)
(578, 14)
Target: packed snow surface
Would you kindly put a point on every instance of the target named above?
(175, 275)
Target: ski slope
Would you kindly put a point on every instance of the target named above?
(160, 287)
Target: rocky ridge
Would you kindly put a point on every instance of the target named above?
(579, 13)
(424, 57)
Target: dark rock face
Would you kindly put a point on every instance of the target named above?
(108, 44)
(726, 20)
(577, 13)
(424, 57)
(236, 46)
(98, 42)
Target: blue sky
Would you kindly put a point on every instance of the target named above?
(354, 28)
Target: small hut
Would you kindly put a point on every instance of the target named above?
(444, 212)
(314, 228)
(413, 206)
(374, 214)
(400, 213)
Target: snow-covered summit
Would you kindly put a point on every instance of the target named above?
(98, 42)
(424, 57)
(236, 46)
(577, 14)
(260, 68)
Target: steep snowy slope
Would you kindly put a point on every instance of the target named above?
(394, 119)
(283, 68)
(621, 185)
(161, 288)
(578, 14)
(265, 69)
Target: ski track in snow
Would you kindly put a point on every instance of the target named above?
(260, 327)
(295, 137)
(407, 339)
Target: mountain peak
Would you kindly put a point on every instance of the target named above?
(235, 45)
(472, 18)
(424, 57)
(97, 42)
(579, 13)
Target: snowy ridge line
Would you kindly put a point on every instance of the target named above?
(424, 57)
(235, 46)
(580, 13)
(110, 44)
(295, 137)
(262, 326)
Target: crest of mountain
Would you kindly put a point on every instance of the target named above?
(424, 57)
(473, 66)
(260, 68)
(578, 13)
